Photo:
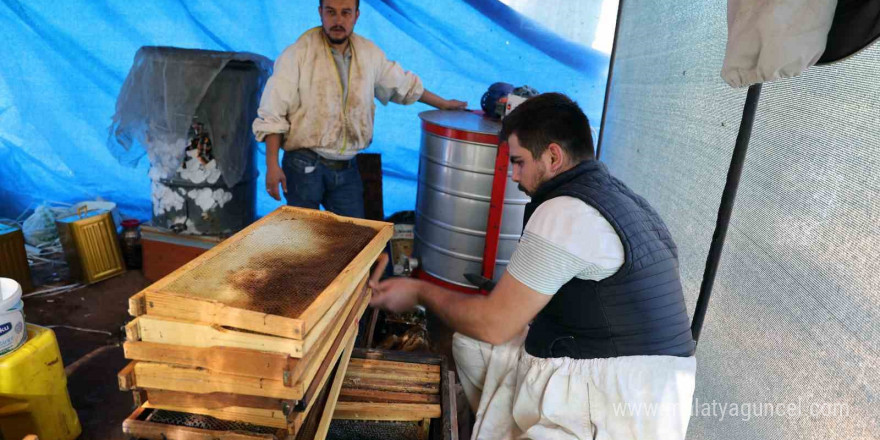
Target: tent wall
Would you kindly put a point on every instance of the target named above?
(794, 320)
(63, 64)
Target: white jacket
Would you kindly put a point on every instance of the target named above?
(303, 98)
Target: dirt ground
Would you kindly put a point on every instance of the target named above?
(92, 384)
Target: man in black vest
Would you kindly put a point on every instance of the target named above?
(586, 335)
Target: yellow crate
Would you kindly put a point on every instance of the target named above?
(33, 391)
(91, 246)
(13, 257)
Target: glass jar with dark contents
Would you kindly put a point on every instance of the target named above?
(131, 244)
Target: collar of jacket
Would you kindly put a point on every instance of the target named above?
(567, 176)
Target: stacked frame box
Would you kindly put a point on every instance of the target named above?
(395, 394)
(256, 332)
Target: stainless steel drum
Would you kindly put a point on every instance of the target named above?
(456, 172)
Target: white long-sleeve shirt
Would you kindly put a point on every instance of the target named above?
(304, 99)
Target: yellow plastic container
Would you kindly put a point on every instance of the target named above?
(33, 391)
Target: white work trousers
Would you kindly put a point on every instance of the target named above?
(518, 396)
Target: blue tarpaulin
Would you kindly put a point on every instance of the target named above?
(63, 64)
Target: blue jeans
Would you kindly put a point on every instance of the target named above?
(311, 183)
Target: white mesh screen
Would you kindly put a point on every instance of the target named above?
(793, 319)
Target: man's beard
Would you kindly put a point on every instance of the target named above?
(542, 177)
(336, 41)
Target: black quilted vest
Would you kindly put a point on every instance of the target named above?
(639, 310)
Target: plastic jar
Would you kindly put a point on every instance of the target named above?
(12, 329)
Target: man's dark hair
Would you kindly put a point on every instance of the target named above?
(549, 118)
(357, 4)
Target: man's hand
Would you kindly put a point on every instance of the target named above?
(440, 103)
(274, 176)
(395, 294)
(383, 296)
(395, 302)
(454, 104)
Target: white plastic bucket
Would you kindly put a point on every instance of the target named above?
(12, 329)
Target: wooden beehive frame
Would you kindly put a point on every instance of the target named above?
(326, 410)
(155, 301)
(415, 398)
(397, 412)
(266, 417)
(376, 389)
(296, 385)
(163, 331)
(253, 416)
(369, 364)
(178, 399)
(333, 394)
(169, 340)
(137, 427)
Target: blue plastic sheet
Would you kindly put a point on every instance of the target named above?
(63, 64)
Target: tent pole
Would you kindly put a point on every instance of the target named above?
(726, 208)
(608, 83)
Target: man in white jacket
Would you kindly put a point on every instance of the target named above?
(318, 106)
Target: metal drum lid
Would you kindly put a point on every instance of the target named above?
(467, 126)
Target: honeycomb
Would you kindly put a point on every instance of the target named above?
(278, 268)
